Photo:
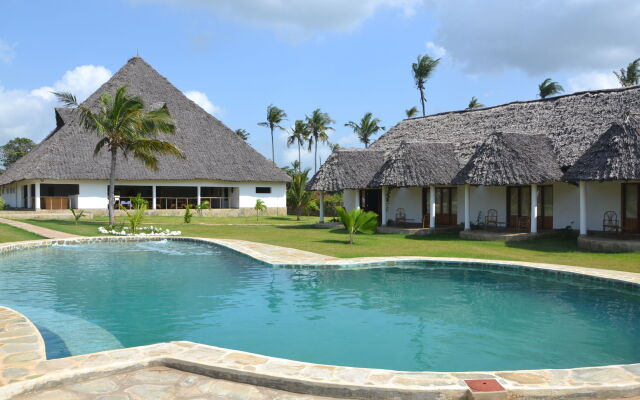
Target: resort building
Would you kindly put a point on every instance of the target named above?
(221, 168)
(567, 161)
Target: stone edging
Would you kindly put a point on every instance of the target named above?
(326, 380)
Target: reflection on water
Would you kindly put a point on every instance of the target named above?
(87, 298)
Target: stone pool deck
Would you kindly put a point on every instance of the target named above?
(195, 371)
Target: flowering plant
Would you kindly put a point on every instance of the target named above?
(141, 231)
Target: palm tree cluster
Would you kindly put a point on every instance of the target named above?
(629, 76)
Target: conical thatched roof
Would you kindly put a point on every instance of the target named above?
(347, 169)
(419, 164)
(614, 156)
(511, 159)
(212, 150)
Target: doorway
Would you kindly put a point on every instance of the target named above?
(631, 207)
(446, 205)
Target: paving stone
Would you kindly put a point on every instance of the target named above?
(524, 377)
(97, 386)
(21, 357)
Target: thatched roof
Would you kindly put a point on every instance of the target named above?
(614, 156)
(347, 169)
(418, 164)
(572, 122)
(511, 159)
(212, 150)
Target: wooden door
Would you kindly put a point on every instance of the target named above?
(631, 207)
(518, 204)
(545, 207)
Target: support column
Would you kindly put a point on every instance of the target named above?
(583, 208)
(321, 199)
(198, 200)
(153, 197)
(534, 208)
(467, 221)
(358, 198)
(432, 207)
(29, 199)
(385, 191)
(36, 196)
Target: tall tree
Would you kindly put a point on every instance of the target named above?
(422, 70)
(548, 88)
(123, 126)
(299, 134)
(275, 117)
(242, 134)
(297, 196)
(318, 124)
(366, 129)
(629, 76)
(334, 146)
(14, 150)
(411, 112)
(474, 103)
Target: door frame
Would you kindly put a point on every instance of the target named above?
(624, 207)
(451, 217)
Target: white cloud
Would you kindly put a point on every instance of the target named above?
(29, 113)
(435, 50)
(298, 15)
(7, 51)
(203, 101)
(538, 36)
(593, 81)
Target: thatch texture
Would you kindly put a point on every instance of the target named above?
(572, 123)
(212, 150)
(511, 159)
(419, 164)
(347, 169)
(614, 156)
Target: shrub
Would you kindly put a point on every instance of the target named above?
(358, 221)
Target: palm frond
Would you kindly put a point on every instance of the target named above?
(66, 98)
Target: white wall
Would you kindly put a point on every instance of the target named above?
(408, 198)
(602, 197)
(349, 199)
(566, 206)
(483, 198)
(11, 195)
(248, 196)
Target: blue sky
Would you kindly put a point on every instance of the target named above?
(347, 57)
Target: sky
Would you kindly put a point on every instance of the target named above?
(346, 57)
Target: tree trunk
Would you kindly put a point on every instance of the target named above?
(273, 151)
(350, 237)
(315, 157)
(299, 162)
(422, 101)
(112, 187)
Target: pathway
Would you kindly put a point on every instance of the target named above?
(44, 232)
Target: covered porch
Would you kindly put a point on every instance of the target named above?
(161, 197)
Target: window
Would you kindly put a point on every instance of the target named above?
(260, 189)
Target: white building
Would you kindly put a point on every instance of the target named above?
(221, 168)
(567, 161)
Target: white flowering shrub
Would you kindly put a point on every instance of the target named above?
(141, 231)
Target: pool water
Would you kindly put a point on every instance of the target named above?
(421, 316)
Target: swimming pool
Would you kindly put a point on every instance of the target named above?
(418, 316)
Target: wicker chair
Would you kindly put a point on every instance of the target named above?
(610, 222)
(491, 219)
(401, 217)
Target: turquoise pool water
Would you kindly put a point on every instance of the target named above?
(87, 298)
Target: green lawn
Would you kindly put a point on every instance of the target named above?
(284, 220)
(558, 250)
(10, 234)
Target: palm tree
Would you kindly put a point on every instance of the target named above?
(299, 135)
(422, 71)
(297, 196)
(242, 134)
(412, 112)
(549, 88)
(367, 128)
(358, 220)
(631, 75)
(124, 126)
(318, 124)
(259, 207)
(275, 116)
(334, 146)
(474, 103)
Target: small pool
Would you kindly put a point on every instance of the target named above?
(421, 316)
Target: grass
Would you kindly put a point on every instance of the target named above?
(554, 250)
(9, 233)
(284, 220)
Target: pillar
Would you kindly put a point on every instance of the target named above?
(321, 199)
(534, 208)
(153, 197)
(29, 199)
(467, 221)
(583, 208)
(198, 195)
(357, 198)
(432, 207)
(385, 191)
(36, 196)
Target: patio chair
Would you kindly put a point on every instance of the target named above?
(491, 219)
(524, 224)
(610, 222)
(401, 217)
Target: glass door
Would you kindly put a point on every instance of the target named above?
(518, 204)
(631, 207)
